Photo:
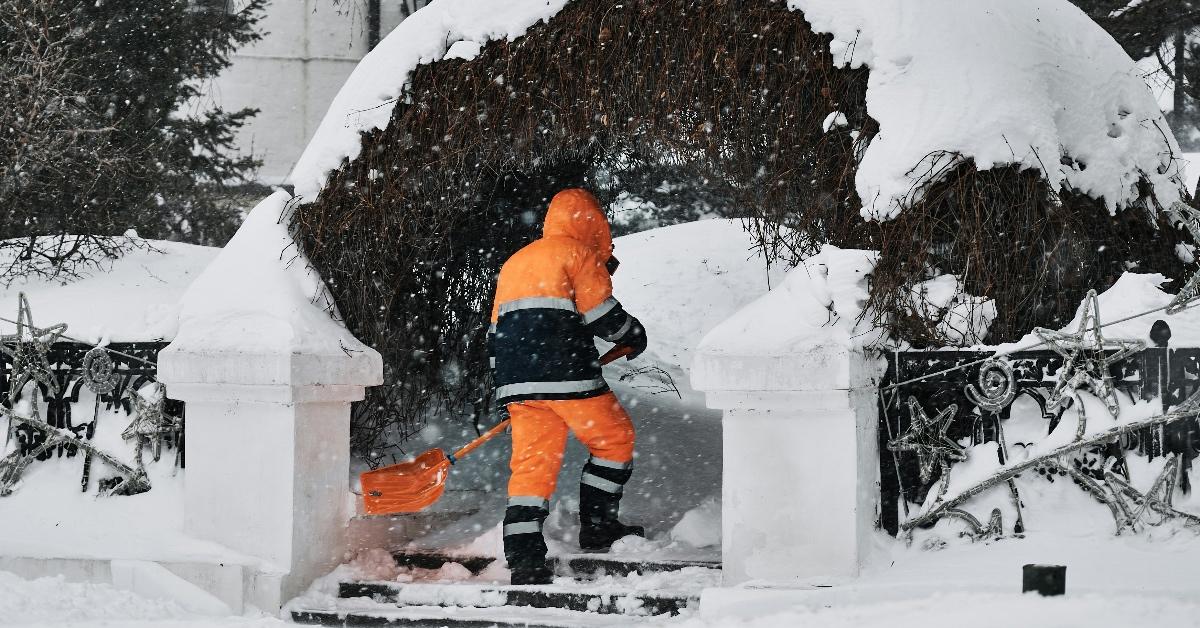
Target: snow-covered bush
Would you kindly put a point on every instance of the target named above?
(936, 133)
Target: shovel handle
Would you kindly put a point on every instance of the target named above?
(611, 356)
(483, 438)
(614, 354)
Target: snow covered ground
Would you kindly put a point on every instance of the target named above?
(681, 283)
(935, 609)
(1134, 580)
(134, 298)
(54, 602)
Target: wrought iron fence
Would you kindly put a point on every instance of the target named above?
(113, 381)
(941, 380)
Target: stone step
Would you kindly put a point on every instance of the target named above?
(603, 601)
(435, 617)
(571, 565)
(593, 565)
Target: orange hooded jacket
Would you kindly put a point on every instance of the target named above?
(552, 298)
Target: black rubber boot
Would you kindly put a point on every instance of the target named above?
(600, 492)
(524, 545)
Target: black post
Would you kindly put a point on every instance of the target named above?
(1045, 579)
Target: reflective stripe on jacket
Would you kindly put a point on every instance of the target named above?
(552, 298)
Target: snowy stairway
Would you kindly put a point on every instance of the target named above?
(622, 593)
(581, 566)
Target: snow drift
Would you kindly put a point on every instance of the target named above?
(1029, 82)
(1035, 83)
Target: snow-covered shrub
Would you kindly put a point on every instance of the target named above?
(934, 132)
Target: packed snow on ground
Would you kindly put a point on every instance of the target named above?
(941, 579)
(931, 609)
(1034, 82)
(132, 298)
(454, 28)
(48, 516)
(256, 294)
(55, 602)
(680, 281)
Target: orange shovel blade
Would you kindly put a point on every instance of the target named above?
(405, 487)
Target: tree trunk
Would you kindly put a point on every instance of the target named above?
(1179, 84)
(374, 24)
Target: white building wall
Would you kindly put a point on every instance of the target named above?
(308, 50)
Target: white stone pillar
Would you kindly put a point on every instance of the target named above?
(267, 440)
(800, 483)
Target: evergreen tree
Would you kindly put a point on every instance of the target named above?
(104, 131)
(1166, 30)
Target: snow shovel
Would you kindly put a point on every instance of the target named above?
(411, 486)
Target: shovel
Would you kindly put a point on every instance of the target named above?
(413, 485)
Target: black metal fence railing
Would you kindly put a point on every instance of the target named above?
(1165, 373)
(73, 407)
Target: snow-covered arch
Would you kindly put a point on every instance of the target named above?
(946, 76)
(959, 81)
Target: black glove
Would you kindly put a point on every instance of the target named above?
(635, 338)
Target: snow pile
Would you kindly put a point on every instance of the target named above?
(47, 516)
(700, 526)
(366, 101)
(981, 609)
(1133, 293)
(134, 298)
(960, 318)
(1026, 431)
(261, 296)
(54, 600)
(819, 303)
(683, 280)
(374, 564)
(1035, 83)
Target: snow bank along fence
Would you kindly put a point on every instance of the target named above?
(69, 409)
(968, 396)
(267, 379)
(826, 441)
(56, 392)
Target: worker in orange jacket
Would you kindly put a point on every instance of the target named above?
(553, 297)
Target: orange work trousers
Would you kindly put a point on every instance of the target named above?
(539, 437)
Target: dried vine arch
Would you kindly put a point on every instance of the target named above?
(409, 234)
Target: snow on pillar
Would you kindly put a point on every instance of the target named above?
(268, 378)
(800, 483)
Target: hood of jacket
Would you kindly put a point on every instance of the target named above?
(576, 214)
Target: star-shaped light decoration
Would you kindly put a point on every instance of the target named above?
(927, 438)
(151, 419)
(1085, 357)
(1131, 505)
(1190, 217)
(27, 351)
